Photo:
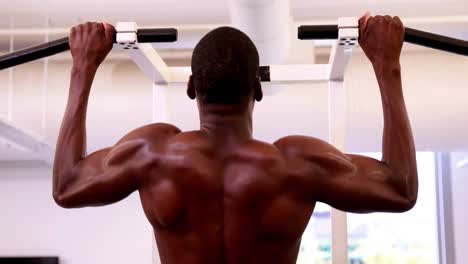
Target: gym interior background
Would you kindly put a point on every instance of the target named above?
(33, 97)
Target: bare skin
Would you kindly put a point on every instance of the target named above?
(216, 195)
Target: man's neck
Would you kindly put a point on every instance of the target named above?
(226, 125)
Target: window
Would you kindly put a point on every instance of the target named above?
(381, 237)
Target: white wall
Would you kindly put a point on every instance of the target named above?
(30, 222)
(121, 96)
(32, 225)
(434, 87)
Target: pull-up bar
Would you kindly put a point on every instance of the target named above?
(147, 35)
(413, 36)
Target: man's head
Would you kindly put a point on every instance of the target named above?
(225, 66)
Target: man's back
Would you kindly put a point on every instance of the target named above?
(214, 204)
(216, 195)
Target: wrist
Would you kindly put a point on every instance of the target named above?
(84, 67)
(83, 71)
(389, 79)
(387, 68)
(82, 77)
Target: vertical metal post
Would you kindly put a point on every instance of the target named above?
(160, 104)
(153, 66)
(337, 116)
(339, 59)
(445, 232)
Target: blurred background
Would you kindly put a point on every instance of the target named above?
(33, 98)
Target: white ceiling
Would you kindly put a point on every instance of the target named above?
(447, 17)
(33, 13)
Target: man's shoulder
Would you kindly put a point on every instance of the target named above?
(302, 145)
(315, 151)
(152, 132)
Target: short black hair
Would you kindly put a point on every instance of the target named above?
(225, 65)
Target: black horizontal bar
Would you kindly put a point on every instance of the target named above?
(152, 35)
(60, 45)
(413, 36)
(318, 32)
(34, 53)
(435, 41)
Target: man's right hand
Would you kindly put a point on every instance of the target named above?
(381, 38)
(90, 43)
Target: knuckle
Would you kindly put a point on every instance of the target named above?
(99, 27)
(398, 20)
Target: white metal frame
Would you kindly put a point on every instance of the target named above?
(162, 76)
(348, 35)
(24, 140)
(149, 61)
(445, 221)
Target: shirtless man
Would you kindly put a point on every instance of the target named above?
(216, 195)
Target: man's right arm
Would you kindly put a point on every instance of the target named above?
(356, 183)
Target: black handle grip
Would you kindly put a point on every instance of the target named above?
(318, 32)
(153, 35)
(47, 49)
(413, 36)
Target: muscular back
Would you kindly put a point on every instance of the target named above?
(210, 204)
(245, 201)
(242, 202)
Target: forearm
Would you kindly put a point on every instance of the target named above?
(398, 145)
(71, 145)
